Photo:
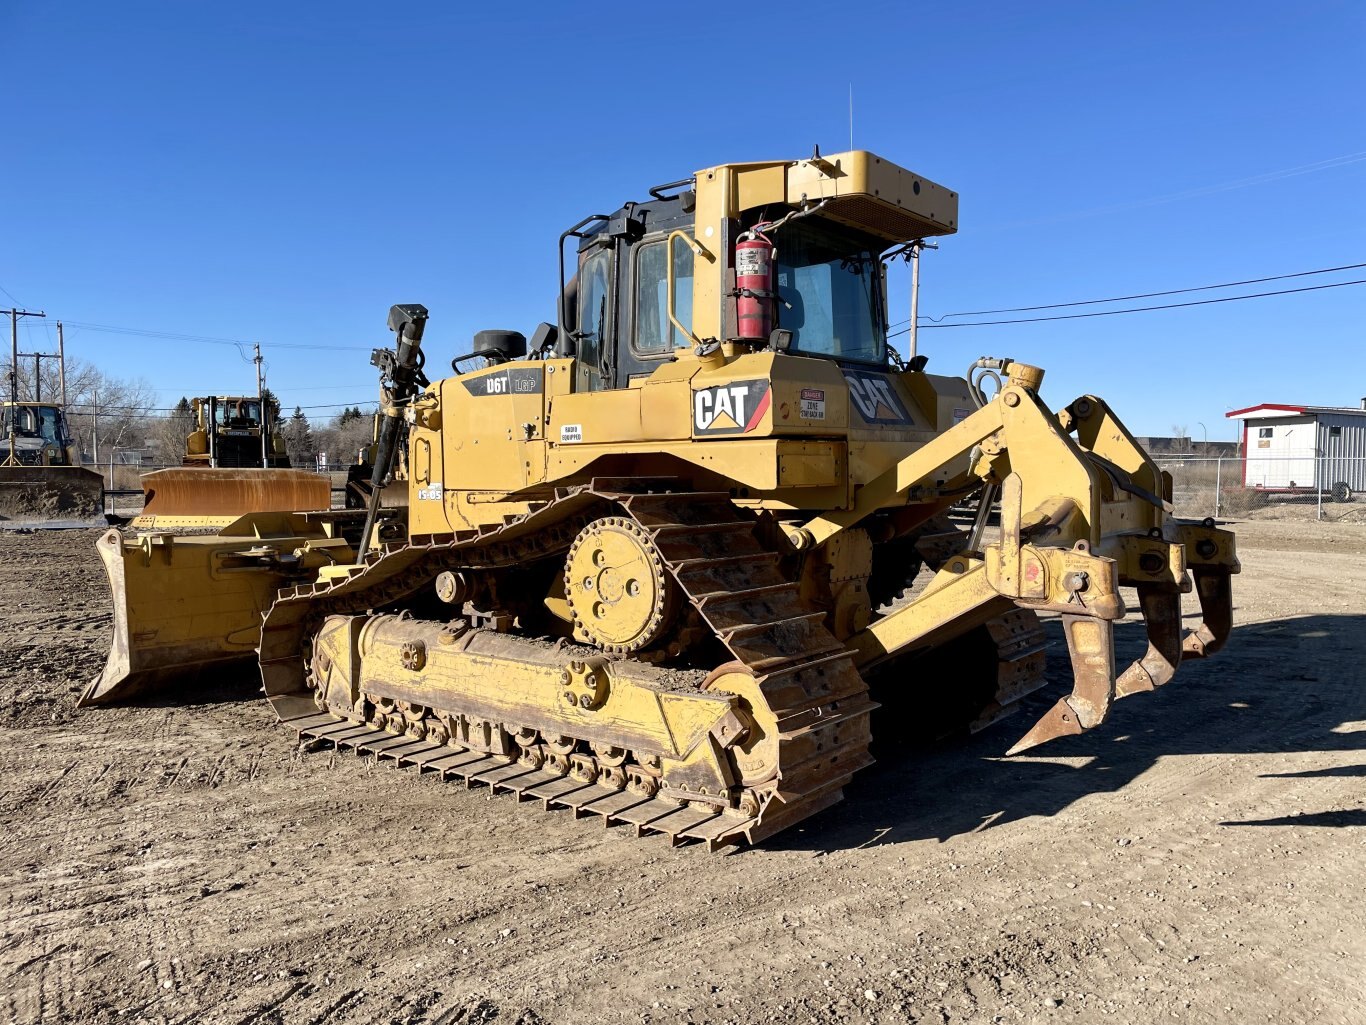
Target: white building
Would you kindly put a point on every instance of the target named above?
(1301, 449)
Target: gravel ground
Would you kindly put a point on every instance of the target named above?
(1199, 858)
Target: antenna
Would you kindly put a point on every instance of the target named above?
(851, 115)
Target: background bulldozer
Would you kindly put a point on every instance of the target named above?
(233, 431)
(234, 464)
(659, 564)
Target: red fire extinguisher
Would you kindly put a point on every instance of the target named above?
(754, 294)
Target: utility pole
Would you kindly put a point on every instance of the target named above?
(61, 365)
(914, 257)
(14, 316)
(265, 413)
(11, 420)
(95, 426)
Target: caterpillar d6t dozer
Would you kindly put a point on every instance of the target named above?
(652, 562)
(234, 465)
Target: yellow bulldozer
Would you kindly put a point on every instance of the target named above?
(233, 431)
(234, 464)
(660, 564)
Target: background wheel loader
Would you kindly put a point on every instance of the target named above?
(40, 466)
(652, 561)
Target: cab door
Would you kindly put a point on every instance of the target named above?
(596, 333)
(646, 338)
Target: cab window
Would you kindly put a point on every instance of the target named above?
(594, 309)
(47, 424)
(654, 333)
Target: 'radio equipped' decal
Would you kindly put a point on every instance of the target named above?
(733, 408)
(875, 398)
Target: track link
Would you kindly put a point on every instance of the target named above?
(644, 815)
(806, 676)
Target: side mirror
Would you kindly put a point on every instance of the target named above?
(544, 338)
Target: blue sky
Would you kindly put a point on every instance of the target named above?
(285, 172)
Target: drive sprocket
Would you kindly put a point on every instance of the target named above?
(622, 597)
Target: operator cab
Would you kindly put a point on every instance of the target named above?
(236, 413)
(40, 432)
(827, 291)
(614, 311)
(787, 256)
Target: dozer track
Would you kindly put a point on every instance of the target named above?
(795, 681)
(1012, 642)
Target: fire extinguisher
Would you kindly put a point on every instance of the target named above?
(754, 294)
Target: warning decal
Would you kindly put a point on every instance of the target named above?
(750, 262)
(734, 408)
(812, 404)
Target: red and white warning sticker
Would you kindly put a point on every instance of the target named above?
(812, 404)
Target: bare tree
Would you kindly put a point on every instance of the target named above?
(167, 434)
(345, 436)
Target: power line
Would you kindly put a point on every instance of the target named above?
(1264, 178)
(1139, 295)
(208, 339)
(1136, 309)
(289, 388)
(116, 409)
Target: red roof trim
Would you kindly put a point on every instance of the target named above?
(1267, 405)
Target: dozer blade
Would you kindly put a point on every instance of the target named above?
(193, 497)
(182, 604)
(50, 491)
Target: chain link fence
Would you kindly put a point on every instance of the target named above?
(1292, 487)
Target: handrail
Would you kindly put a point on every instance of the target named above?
(698, 250)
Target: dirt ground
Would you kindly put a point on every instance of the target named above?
(1200, 858)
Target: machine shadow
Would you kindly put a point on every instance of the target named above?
(1277, 687)
(1329, 819)
(235, 683)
